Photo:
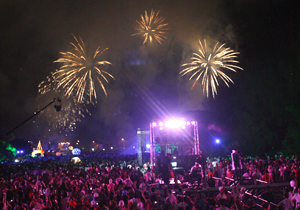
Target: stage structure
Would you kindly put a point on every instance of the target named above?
(173, 136)
(142, 137)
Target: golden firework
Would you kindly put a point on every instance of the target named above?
(80, 71)
(210, 65)
(151, 27)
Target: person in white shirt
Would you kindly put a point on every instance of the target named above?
(256, 175)
(111, 186)
(236, 162)
(64, 201)
(222, 194)
(148, 176)
(196, 173)
(281, 173)
(128, 183)
(118, 180)
(170, 199)
(296, 198)
(235, 192)
(286, 202)
(143, 186)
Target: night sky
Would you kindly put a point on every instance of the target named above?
(259, 112)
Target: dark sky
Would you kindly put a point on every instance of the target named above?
(147, 83)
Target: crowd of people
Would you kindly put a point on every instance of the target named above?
(268, 169)
(115, 181)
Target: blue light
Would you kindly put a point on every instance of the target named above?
(148, 146)
(217, 141)
(76, 151)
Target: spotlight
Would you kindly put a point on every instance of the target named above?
(154, 124)
(18, 152)
(161, 128)
(148, 146)
(21, 151)
(217, 141)
(160, 124)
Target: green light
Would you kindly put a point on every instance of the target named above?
(12, 149)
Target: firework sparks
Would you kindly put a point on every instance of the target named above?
(80, 71)
(70, 113)
(151, 27)
(68, 116)
(209, 64)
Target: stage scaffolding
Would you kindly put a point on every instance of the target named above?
(169, 135)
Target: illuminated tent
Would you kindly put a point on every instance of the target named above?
(38, 151)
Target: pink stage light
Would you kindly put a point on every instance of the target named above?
(167, 124)
(183, 127)
(154, 124)
(161, 128)
(160, 124)
(175, 123)
(188, 123)
(193, 122)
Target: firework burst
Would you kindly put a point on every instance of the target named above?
(80, 71)
(151, 27)
(209, 64)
